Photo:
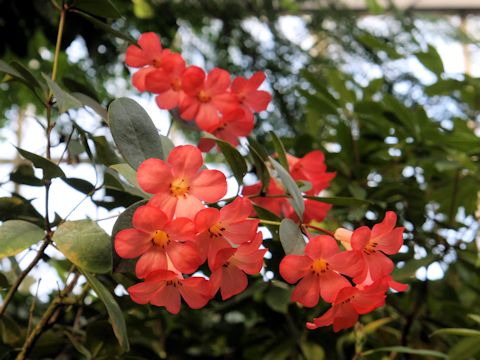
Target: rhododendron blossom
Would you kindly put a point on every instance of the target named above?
(167, 82)
(166, 288)
(206, 96)
(366, 261)
(231, 265)
(148, 55)
(180, 184)
(249, 97)
(349, 303)
(219, 229)
(158, 241)
(318, 276)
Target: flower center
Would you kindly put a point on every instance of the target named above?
(319, 266)
(179, 187)
(157, 62)
(160, 238)
(177, 84)
(216, 230)
(348, 300)
(173, 283)
(370, 248)
(203, 96)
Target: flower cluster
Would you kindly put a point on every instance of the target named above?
(218, 105)
(321, 272)
(312, 169)
(175, 233)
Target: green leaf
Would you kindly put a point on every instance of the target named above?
(234, 159)
(457, 331)
(291, 187)
(431, 60)
(134, 132)
(312, 351)
(474, 317)
(411, 267)
(50, 169)
(291, 237)
(114, 312)
(466, 349)
(259, 156)
(93, 104)
(64, 101)
(101, 8)
(374, 7)
(130, 176)
(18, 235)
(406, 350)
(341, 201)
(85, 244)
(106, 27)
(10, 70)
(277, 297)
(280, 150)
(25, 175)
(81, 185)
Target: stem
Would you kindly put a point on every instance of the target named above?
(319, 229)
(38, 330)
(266, 222)
(22, 276)
(58, 45)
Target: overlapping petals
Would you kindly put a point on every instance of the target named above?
(180, 184)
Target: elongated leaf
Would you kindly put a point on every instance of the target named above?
(81, 185)
(18, 235)
(102, 8)
(411, 267)
(65, 101)
(474, 317)
(259, 156)
(106, 27)
(280, 150)
(27, 75)
(50, 169)
(291, 237)
(234, 159)
(93, 104)
(291, 187)
(340, 201)
(130, 176)
(134, 132)
(114, 312)
(10, 70)
(431, 60)
(457, 331)
(407, 350)
(466, 349)
(85, 244)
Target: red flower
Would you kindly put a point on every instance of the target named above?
(149, 55)
(366, 261)
(165, 288)
(167, 82)
(250, 98)
(159, 241)
(231, 265)
(349, 303)
(318, 276)
(311, 168)
(219, 229)
(206, 97)
(179, 184)
(231, 126)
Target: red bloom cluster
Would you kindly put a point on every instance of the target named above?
(323, 268)
(218, 105)
(174, 233)
(310, 168)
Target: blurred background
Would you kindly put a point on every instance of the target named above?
(388, 90)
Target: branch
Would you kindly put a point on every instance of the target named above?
(44, 320)
(22, 276)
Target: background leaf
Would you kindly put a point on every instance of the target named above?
(18, 235)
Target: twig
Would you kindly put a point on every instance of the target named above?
(32, 308)
(22, 276)
(44, 320)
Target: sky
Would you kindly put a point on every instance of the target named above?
(63, 198)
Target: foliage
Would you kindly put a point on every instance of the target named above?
(391, 150)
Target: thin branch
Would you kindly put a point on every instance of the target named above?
(22, 276)
(44, 320)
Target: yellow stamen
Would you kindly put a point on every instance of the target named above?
(179, 187)
(319, 266)
(160, 238)
(203, 96)
(216, 230)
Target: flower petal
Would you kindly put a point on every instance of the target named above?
(209, 185)
(307, 291)
(154, 176)
(184, 256)
(169, 297)
(131, 243)
(294, 267)
(185, 161)
(188, 206)
(330, 284)
(151, 261)
(195, 291)
(149, 218)
(321, 247)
